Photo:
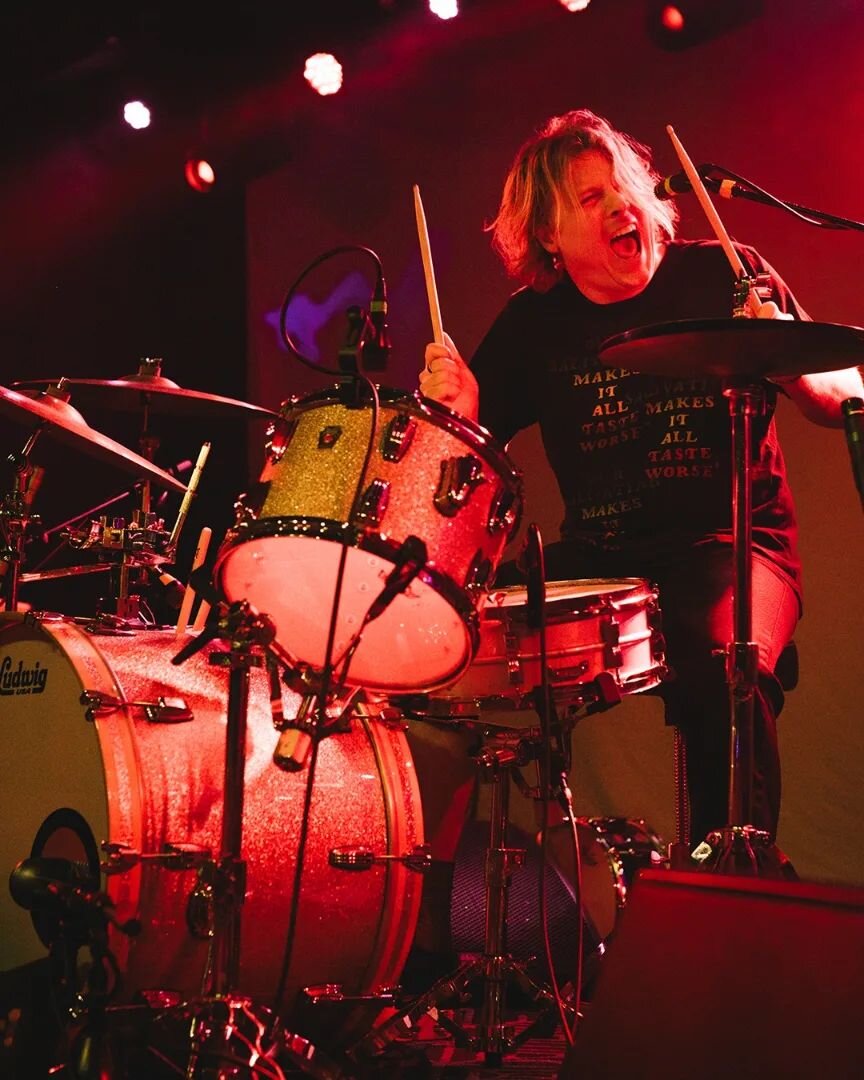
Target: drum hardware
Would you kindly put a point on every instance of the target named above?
(853, 422)
(359, 859)
(741, 351)
(214, 908)
(496, 765)
(17, 520)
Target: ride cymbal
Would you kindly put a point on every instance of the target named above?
(160, 396)
(735, 347)
(62, 422)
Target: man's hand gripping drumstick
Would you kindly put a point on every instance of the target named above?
(446, 377)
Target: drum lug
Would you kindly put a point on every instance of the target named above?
(373, 503)
(161, 711)
(504, 513)
(361, 858)
(479, 573)
(398, 437)
(611, 637)
(459, 477)
(121, 858)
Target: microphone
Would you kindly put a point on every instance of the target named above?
(410, 560)
(679, 184)
(60, 886)
(853, 421)
(377, 351)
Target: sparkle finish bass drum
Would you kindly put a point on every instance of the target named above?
(106, 741)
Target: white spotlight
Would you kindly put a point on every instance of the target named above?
(136, 114)
(323, 72)
(444, 9)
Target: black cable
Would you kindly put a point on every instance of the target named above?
(327, 670)
(537, 611)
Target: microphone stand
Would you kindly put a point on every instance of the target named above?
(731, 186)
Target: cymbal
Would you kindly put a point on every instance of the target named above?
(65, 424)
(161, 396)
(742, 347)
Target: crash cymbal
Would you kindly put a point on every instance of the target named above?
(63, 423)
(739, 347)
(161, 396)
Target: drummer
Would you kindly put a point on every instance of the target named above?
(643, 461)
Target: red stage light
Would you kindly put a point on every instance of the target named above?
(672, 18)
(200, 174)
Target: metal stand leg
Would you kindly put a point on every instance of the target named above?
(494, 1037)
(740, 848)
(227, 1030)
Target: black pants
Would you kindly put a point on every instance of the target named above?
(696, 602)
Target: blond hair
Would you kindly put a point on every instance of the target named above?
(539, 182)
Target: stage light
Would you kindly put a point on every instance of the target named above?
(444, 9)
(575, 5)
(690, 22)
(200, 174)
(323, 72)
(136, 114)
(672, 19)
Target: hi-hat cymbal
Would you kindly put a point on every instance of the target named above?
(134, 393)
(63, 423)
(735, 347)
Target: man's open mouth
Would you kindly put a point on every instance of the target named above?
(627, 244)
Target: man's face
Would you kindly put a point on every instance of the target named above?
(606, 245)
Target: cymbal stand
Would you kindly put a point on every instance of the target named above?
(740, 847)
(227, 1027)
(16, 519)
(497, 762)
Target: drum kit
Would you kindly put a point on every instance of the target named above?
(256, 907)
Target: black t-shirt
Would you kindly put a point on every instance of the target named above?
(643, 462)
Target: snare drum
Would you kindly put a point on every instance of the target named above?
(105, 740)
(592, 626)
(430, 474)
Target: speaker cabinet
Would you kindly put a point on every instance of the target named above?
(710, 976)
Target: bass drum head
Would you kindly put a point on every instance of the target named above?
(142, 778)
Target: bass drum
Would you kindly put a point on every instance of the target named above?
(106, 740)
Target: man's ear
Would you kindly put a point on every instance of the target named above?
(548, 239)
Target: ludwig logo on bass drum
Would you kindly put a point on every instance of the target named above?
(21, 680)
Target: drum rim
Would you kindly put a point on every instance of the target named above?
(326, 529)
(479, 437)
(620, 585)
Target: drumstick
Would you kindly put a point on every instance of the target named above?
(191, 488)
(428, 269)
(189, 596)
(712, 215)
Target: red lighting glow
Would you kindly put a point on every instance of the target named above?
(672, 18)
(200, 174)
(323, 72)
